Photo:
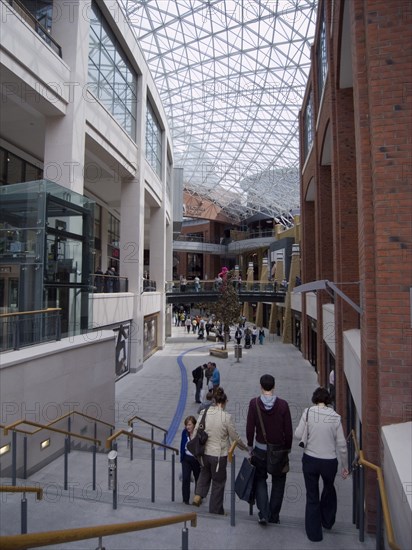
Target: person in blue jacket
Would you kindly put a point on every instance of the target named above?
(189, 463)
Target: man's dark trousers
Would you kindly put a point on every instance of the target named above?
(269, 509)
(199, 385)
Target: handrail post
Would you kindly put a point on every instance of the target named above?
(16, 336)
(100, 547)
(130, 441)
(173, 476)
(58, 327)
(14, 458)
(354, 494)
(153, 473)
(232, 491)
(94, 457)
(379, 523)
(66, 462)
(361, 504)
(185, 538)
(25, 457)
(69, 429)
(24, 514)
(164, 442)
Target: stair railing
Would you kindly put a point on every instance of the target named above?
(12, 427)
(51, 538)
(69, 416)
(232, 459)
(382, 501)
(153, 426)
(23, 503)
(111, 444)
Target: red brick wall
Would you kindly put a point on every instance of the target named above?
(368, 190)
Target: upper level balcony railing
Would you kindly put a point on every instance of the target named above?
(36, 25)
(109, 283)
(235, 235)
(26, 328)
(208, 286)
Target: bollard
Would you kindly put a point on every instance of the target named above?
(112, 476)
(24, 514)
(185, 538)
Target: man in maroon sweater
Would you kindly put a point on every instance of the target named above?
(278, 427)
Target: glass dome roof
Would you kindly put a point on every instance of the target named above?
(231, 75)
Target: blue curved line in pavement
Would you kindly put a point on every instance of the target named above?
(178, 416)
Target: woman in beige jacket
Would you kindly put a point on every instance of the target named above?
(221, 431)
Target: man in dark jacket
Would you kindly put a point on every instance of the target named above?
(277, 424)
(197, 374)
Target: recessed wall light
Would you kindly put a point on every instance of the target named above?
(5, 449)
(44, 444)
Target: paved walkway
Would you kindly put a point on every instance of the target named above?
(163, 393)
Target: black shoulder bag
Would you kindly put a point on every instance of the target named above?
(197, 445)
(277, 461)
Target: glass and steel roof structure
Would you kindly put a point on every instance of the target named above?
(231, 75)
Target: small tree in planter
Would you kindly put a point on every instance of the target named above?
(227, 308)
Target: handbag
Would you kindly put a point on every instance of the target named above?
(197, 445)
(277, 458)
(245, 480)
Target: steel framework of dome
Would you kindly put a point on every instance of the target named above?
(231, 75)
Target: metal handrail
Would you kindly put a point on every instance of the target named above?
(62, 417)
(130, 422)
(23, 489)
(33, 540)
(382, 491)
(34, 312)
(83, 415)
(114, 436)
(12, 426)
(15, 429)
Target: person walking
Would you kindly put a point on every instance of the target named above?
(238, 335)
(320, 432)
(277, 424)
(221, 432)
(189, 463)
(254, 334)
(261, 335)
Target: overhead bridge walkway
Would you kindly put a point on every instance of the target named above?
(208, 292)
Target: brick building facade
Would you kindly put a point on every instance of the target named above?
(356, 214)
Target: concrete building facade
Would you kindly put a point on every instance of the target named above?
(81, 116)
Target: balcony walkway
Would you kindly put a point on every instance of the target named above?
(163, 393)
(249, 292)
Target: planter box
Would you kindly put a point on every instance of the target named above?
(217, 352)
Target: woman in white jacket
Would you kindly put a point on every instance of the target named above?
(320, 433)
(221, 431)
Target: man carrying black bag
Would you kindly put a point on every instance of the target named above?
(269, 427)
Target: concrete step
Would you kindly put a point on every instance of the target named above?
(81, 506)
